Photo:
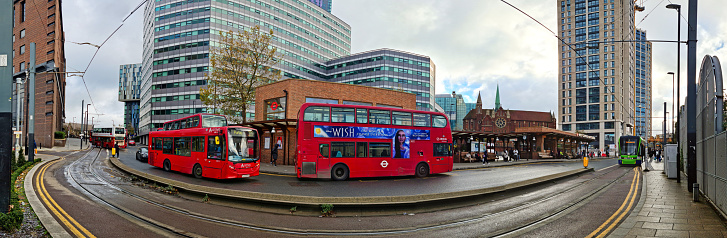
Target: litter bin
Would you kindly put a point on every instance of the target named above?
(671, 161)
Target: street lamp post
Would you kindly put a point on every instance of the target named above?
(676, 113)
(673, 114)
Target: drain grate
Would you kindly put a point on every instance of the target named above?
(304, 184)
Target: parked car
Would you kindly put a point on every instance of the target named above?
(142, 154)
(132, 143)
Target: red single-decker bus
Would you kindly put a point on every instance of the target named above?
(346, 141)
(205, 146)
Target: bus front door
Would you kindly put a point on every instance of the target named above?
(323, 167)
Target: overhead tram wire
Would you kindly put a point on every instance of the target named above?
(576, 52)
(98, 48)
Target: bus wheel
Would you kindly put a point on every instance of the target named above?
(197, 171)
(167, 165)
(339, 172)
(422, 170)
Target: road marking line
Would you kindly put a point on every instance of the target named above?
(631, 203)
(608, 167)
(631, 190)
(70, 222)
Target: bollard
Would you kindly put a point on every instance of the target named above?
(695, 192)
(113, 152)
(585, 162)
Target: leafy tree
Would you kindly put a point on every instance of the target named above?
(130, 130)
(243, 61)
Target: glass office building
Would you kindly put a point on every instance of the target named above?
(643, 86)
(130, 94)
(314, 43)
(454, 107)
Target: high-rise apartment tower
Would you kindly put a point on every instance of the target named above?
(604, 84)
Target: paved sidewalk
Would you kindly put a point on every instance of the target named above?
(290, 169)
(666, 210)
(72, 144)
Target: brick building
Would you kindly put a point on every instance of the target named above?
(533, 134)
(40, 22)
(274, 100)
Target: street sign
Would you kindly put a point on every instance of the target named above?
(17, 132)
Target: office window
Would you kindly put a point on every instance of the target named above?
(22, 33)
(22, 49)
(22, 12)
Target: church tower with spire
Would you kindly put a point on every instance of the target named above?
(479, 103)
(497, 98)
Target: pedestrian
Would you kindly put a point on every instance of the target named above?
(468, 157)
(34, 147)
(274, 154)
(477, 156)
(116, 149)
(517, 155)
(484, 159)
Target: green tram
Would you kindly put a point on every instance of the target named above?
(631, 149)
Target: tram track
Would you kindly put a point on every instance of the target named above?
(81, 176)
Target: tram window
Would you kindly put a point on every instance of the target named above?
(342, 149)
(360, 115)
(421, 119)
(380, 150)
(167, 146)
(401, 118)
(198, 144)
(361, 148)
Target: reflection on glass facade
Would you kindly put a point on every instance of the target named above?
(643, 85)
(314, 44)
(454, 107)
(325, 4)
(130, 94)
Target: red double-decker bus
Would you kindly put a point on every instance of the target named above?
(346, 141)
(205, 146)
(107, 137)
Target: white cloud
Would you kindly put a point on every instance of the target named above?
(474, 44)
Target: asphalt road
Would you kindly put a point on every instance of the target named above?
(458, 180)
(498, 214)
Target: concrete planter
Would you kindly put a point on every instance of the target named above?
(59, 143)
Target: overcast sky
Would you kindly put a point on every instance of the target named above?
(475, 44)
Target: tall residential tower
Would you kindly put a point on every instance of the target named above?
(604, 85)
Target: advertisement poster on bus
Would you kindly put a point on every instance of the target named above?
(400, 138)
(367, 132)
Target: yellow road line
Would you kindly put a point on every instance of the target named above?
(634, 180)
(631, 203)
(57, 210)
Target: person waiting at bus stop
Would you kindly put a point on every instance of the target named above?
(274, 155)
(116, 149)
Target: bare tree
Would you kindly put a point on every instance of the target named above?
(243, 61)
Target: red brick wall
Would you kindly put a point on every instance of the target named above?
(299, 89)
(43, 26)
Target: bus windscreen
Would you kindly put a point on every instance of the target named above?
(242, 145)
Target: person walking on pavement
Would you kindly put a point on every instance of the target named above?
(517, 155)
(274, 154)
(484, 159)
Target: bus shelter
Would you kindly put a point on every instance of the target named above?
(281, 133)
(531, 143)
